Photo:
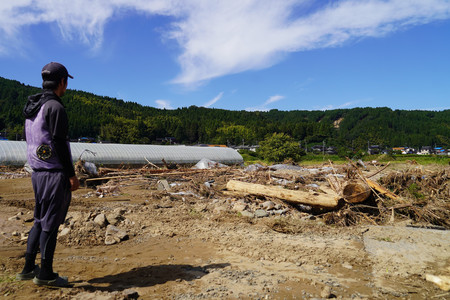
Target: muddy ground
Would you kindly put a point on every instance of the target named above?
(192, 242)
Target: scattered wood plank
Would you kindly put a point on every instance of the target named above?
(382, 190)
(330, 200)
(150, 164)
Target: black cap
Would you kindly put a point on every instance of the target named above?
(54, 71)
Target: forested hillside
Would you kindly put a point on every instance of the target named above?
(118, 121)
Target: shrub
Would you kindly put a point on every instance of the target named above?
(279, 147)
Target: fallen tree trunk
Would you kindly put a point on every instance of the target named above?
(356, 192)
(330, 200)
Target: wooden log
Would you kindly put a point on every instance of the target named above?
(356, 192)
(382, 190)
(330, 200)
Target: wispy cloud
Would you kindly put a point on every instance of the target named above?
(214, 100)
(347, 104)
(217, 38)
(163, 104)
(263, 107)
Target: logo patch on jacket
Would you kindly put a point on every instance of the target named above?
(44, 152)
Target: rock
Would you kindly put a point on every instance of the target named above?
(64, 231)
(114, 218)
(247, 214)
(239, 206)
(29, 218)
(281, 211)
(285, 167)
(209, 183)
(283, 181)
(261, 213)
(120, 211)
(100, 220)
(304, 208)
(163, 185)
(110, 240)
(23, 236)
(89, 225)
(254, 167)
(130, 294)
(74, 216)
(313, 185)
(347, 265)
(268, 205)
(113, 230)
(326, 292)
(114, 235)
(128, 222)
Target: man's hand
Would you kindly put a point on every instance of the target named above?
(74, 183)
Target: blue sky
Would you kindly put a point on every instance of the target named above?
(237, 54)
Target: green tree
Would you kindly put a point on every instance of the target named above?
(235, 134)
(279, 147)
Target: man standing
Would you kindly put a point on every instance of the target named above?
(53, 178)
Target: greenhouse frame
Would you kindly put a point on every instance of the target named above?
(14, 153)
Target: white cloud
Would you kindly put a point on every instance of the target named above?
(273, 99)
(344, 105)
(214, 100)
(163, 104)
(246, 35)
(263, 107)
(218, 38)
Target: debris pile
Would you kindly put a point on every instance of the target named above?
(7, 172)
(342, 195)
(102, 226)
(428, 194)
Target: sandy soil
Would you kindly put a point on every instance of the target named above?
(191, 244)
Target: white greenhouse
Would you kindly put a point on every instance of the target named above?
(14, 153)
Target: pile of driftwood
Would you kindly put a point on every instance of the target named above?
(427, 193)
(343, 195)
(414, 194)
(87, 176)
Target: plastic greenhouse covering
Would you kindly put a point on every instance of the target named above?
(15, 153)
